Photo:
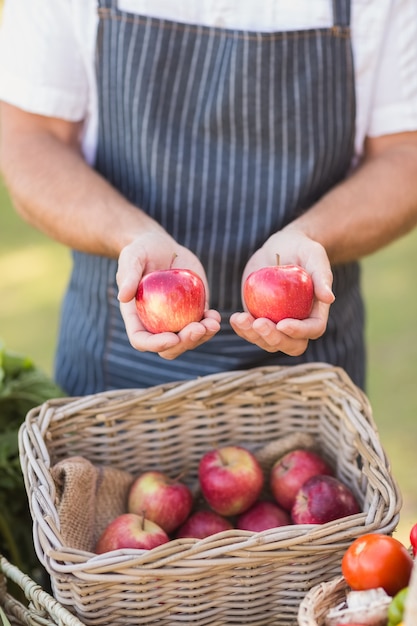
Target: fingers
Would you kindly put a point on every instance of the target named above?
(168, 345)
(263, 333)
(192, 336)
(139, 337)
(311, 328)
(129, 272)
(323, 281)
(289, 335)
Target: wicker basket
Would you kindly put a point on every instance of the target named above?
(317, 602)
(324, 596)
(41, 610)
(235, 577)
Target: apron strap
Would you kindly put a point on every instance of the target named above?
(341, 13)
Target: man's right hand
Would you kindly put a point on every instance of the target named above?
(151, 251)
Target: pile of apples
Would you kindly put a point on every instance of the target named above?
(302, 490)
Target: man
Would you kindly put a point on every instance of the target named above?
(133, 131)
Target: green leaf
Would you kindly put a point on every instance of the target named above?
(23, 386)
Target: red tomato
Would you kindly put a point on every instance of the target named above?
(374, 560)
(413, 539)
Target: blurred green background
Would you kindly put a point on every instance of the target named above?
(34, 272)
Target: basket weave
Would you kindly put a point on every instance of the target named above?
(42, 609)
(319, 600)
(235, 577)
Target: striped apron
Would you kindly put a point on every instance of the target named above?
(223, 136)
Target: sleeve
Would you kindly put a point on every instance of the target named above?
(41, 66)
(394, 102)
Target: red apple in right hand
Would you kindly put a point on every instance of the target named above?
(166, 502)
(168, 300)
(231, 479)
(278, 292)
(291, 471)
(130, 531)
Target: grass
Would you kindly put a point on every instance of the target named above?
(391, 297)
(34, 272)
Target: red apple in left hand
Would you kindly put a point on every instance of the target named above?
(278, 292)
(130, 531)
(231, 479)
(168, 300)
(162, 500)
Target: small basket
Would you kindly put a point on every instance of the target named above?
(320, 599)
(234, 577)
(42, 609)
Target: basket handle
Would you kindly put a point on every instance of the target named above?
(40, 600)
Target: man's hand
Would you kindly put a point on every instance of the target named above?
(157, 250)
(289, 335)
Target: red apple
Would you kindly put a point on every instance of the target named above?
(323, 499)
(231, 479)
(130, 531)
(167, 300)
(202, 524)
(162, 500)
(279, 291)
(263, 515)
(292, 470)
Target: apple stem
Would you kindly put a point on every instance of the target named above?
(277, 258)
(143, 519)
(221, 458)
(174, 256)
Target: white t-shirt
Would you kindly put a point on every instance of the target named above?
(47, 53)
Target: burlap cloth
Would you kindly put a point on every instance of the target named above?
(88, 497)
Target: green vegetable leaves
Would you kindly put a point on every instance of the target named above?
(396, 608)
(23, 386)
